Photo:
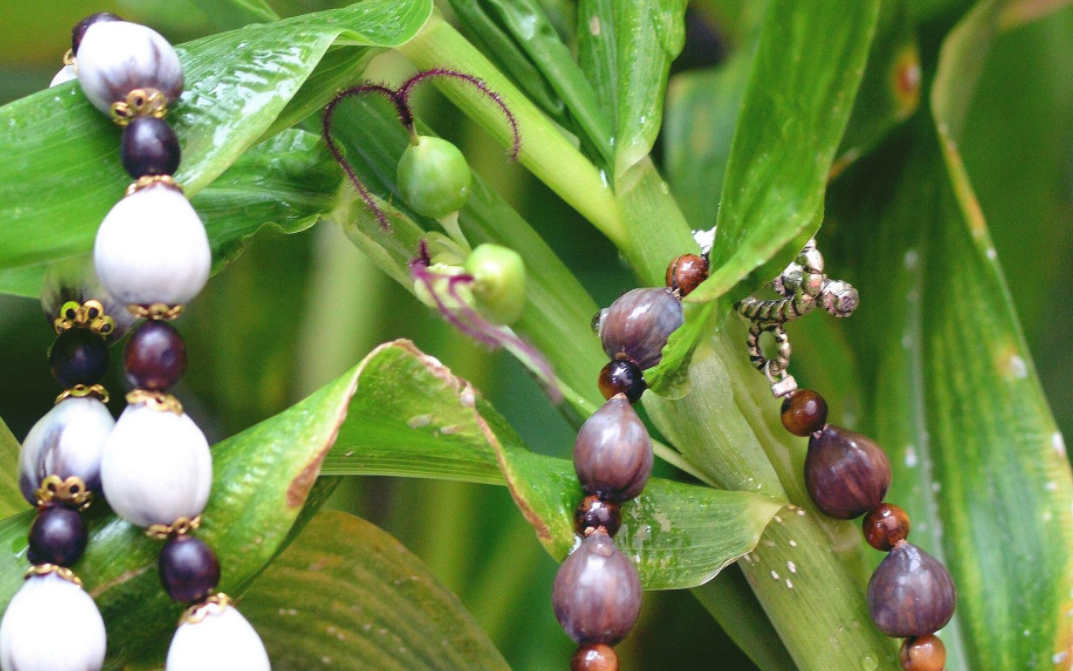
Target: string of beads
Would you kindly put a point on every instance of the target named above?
(597, 592)
(911, 594)
(152, 256)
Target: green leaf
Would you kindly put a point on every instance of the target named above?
(11, 500)
(412, 417)
(262, 478)
(795, 110)
(228, 14)
(734, 606)
(533, 34)
(348, 595)
(500, 46)
(289, 181)
(631, 72)
(62, 173)
(890, 91)
(978, 459)
(702, 111)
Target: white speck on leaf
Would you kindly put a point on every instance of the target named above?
(419, 421)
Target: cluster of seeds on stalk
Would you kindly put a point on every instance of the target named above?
(597, 592)
(151, 256)
(911, 594)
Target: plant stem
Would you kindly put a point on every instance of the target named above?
(545, 150)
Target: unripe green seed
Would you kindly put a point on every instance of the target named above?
(499, 282)
(433, 177)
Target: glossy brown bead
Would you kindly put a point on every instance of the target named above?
(595, 513)
(884, 526)
(911, 593)
(804, 412)
(155, 356)
(595, 657)
(79, 31)
(846, 473)
(638, 325)
(622, 377)
(686, 273)
(613, 453)
(597, 593)
(923, 653)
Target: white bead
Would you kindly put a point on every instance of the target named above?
(66, 74)
(68, 442)
(223, 642)
(152, 248)
(51, 625)
(156, 467)
(116, 57)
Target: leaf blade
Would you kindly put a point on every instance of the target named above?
(348, 594)
(431, 421)
(784, 143)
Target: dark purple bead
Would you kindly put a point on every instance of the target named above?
(189, 569)
(58, 536)
(155, 356)
(846, 473)
(622, 377)
(595, 513)
(911, 593)
(78, 356)
(150, 147)
(597, 594)
(613, 453)
(638, 325)
(79, 31)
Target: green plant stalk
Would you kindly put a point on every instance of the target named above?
(814, 618)
(545, 150)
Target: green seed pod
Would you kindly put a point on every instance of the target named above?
(498, 282)
(433, 177)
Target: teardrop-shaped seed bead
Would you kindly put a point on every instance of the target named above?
(911, 593)
(51, 625)
(597, 593)
(152, 248)
(638, 325)
(67, 442)
(847, 474)
(117, 57)
(221, 642)
(613, 453)
(156, 468)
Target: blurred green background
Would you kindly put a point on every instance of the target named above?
(295, 311)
